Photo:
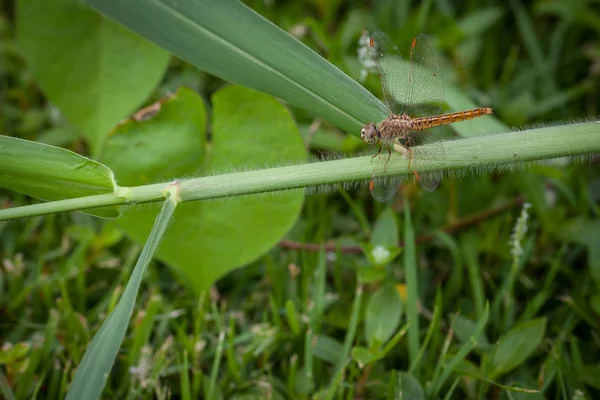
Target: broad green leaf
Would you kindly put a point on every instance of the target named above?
(165, 147)
(327, 348)
(385, 231)
(51, 173)
(516, 346)
(383, 246)
(209, 238)
(229, 40)
(96, 71)
(382, 316)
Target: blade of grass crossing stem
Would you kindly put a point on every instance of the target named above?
(351, 332)
(465, 349)
(410, 266)
(100, 355)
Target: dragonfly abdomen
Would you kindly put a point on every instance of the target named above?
(437, 120)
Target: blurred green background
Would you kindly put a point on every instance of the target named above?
(506, 265)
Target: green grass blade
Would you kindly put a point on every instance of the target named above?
(52, 173)
(229, 40)
(351, 331)
(412, 292)
(465, 349)
(101, 353)
(481, 154)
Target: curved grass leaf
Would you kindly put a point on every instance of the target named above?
(51, 173)
(229, 40)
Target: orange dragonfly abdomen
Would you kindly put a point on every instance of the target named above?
(437, 120)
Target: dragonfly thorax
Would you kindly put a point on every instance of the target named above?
(394, 126)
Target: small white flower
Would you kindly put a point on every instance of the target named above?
(380, 254)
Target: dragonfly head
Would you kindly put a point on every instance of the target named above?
(370, 133)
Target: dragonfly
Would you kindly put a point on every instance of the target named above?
(414, 95)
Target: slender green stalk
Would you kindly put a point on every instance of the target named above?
(101, 353)
(412, 291)
(475, 154)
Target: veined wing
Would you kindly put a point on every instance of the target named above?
(424, 152)
(384, 187)
(393, 71)
(425, 92)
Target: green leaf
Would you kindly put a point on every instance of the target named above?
(516, 346)
(229, 40)
(382, 316)
(169, 145)
(207, 239)
(364, 356)
(385, 232)
(96, 71)
(51, 173)
(327, 348)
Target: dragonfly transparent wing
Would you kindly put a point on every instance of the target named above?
(425, 94)
(393, 74)
(425, 98)
(383, 187)
(416, 89)
(393, 71)
(425, 153)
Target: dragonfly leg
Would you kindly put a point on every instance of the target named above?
(409, 162)
(378, 151)
(389, 156)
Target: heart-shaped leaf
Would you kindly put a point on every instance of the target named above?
(96, 71)
(209, 238)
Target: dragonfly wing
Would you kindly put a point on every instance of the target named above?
(393, 71)
(430, 181)
(383, 187)
(427, 160)
(425, 94)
